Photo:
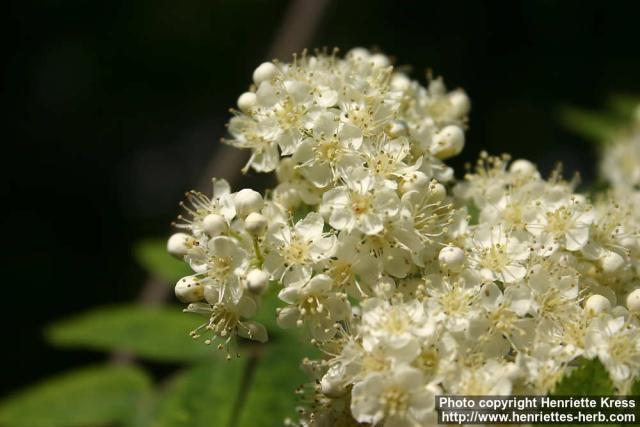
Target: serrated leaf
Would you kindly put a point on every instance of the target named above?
(89, 396)
(590, 378)
(271, 397)
(157, 333)
(597, 127)
(152, 255)
(203, 396)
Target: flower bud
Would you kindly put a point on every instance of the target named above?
(188, 289)
(451, 258)
(256, 224)
(379, 60)
(611, 262)
(264, 72)
(247, 201)
(358, 53)
(178, 244)
(400, 81)
(633, 301)
(417, 181)
(396, 128)
(448, 142)
(459, 102)
(246, 101)
(597, 304)
(331, 387)
(524, 167)
(437, 192)
(257, 281)
(214, 225)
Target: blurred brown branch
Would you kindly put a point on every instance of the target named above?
(294, 34)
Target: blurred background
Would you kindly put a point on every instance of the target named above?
(114, 109)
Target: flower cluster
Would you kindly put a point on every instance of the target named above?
(411, 284)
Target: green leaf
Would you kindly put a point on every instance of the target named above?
(590, 378)
(202, 396)
(152, 255)
(624, 104)
(267, 313)
(157, 333)
(635, 389)
(597, 127)
(278, 373)
(90, 396)
(474, 213)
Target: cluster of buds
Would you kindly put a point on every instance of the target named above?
(410, 283)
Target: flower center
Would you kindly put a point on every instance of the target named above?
(297, 252)
(395, 401)
(361, 203)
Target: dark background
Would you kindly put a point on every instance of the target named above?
(115, 108)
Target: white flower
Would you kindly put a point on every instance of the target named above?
(453, 300)
(500, 329)
(492, 378)
(353, 268)
(498, 255)
(617, 345)
(314, 304)
(359, 204)
(291, 253)
(329, 151)
(226, 318)
(566, 226)
(200, 206)
(399, 329)
(226, 264)
(397, 399)
(546, 294)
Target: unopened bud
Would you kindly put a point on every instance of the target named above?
(247, 201)
(188, 289)
(452, 258)
(256, 224)
(448, 142)
(214, 225)
(265, 71)
(597, 304)
(246, 101)
(257, 281)
(523, 167)
(178, 244)
(611, 262)
(459, 102)
(633, 301)
(416, 181)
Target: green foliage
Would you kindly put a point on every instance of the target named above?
(152, 255)
(267, 313)
(270, 398)
(473, 212)
(590, 378)
(624, 104)
(202, 396)
(595, 126)
(90, 396)
(157, 333)
(635, 389)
